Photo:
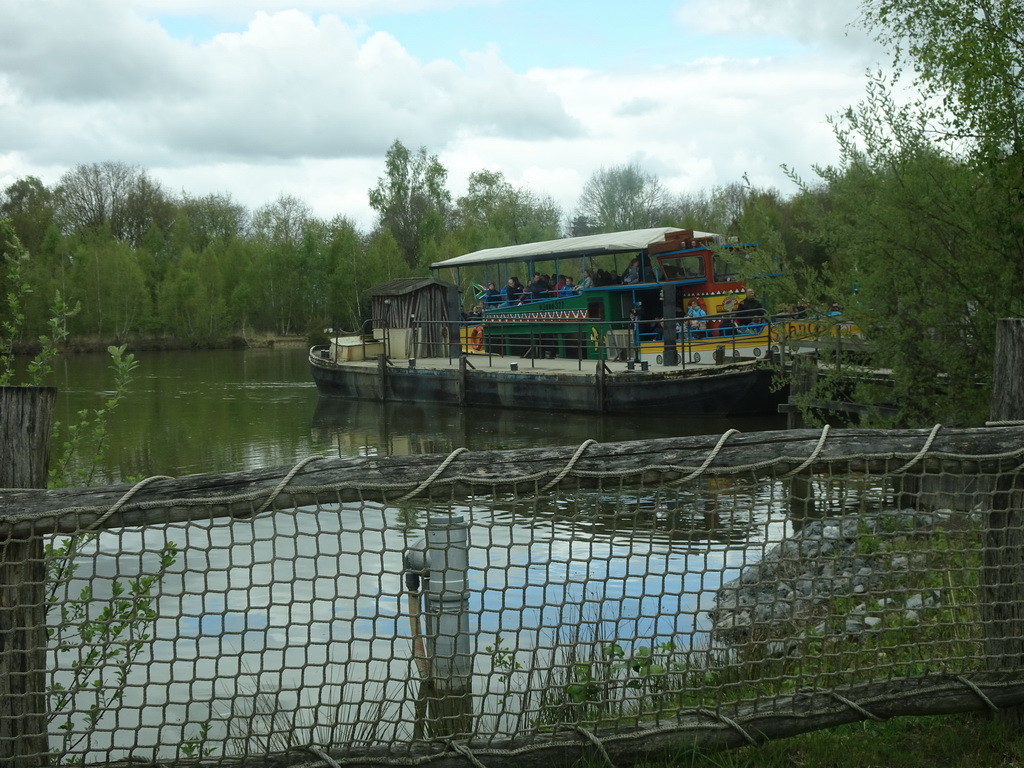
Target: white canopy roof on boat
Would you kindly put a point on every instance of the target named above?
(588, 245)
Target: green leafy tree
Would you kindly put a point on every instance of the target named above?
(95, 639)
(109, 284)
(923, 217)
(620, 198)
(494, 213)
(411, 200)
(279, 233)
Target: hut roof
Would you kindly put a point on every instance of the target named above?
(405, 285)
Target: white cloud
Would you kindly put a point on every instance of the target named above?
(305, 104)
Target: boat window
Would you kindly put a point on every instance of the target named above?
(595, 310)
(724, 271)
(681, 268)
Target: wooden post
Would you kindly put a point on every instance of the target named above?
(26, 420)
(802, 380)
(462, 379)
(382, 377)
(1002, 595)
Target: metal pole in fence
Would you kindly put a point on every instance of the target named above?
(444, 660)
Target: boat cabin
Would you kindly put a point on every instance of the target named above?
(629, 288)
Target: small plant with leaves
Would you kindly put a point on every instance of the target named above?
(88, 435)
(95, 639)
(503, 659)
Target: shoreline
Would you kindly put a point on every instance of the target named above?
(161, 344)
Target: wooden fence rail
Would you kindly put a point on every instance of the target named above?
(988, 450)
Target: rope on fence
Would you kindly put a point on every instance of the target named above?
(569, 465)
(813, 456)
(921, 453)
(465, 751)
(980, 693)
(712, 455)
(272, 496)
(267, 498)
(592, 738)
(433, 475)
(731, 723)
(326, 759)
(124, 500)
(855, 706)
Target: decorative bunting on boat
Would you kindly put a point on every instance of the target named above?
(546, 316)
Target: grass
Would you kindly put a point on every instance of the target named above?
(951, 741)
(595, 682)
(942, 636)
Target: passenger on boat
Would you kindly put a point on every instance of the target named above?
(632, 273)
(696, 321)
(512, 291)
(749, 310)
(491, 296)
(538, 287)
(658, 328)
(567, 289)
(588, 280)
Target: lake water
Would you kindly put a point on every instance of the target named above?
(305, 611)
(232, 410)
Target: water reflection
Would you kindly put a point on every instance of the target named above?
(359, 428)
(304, 614)
(309, 609)
(233, 410)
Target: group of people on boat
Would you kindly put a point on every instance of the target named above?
(540, 287)
(748, 317)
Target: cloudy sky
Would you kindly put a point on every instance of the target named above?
(258, 98)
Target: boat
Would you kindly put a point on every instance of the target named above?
(611, 345)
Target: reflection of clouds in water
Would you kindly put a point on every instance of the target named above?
(291, 603)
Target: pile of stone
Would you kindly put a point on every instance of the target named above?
(783, 598)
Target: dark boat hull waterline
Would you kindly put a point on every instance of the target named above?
(738, 389)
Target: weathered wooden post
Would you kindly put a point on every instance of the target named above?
(803, 379)
(1002, 596)
(26, 420)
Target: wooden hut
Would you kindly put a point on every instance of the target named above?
(418, 315)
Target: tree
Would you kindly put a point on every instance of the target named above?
(924, 207)
(620, 198)
(967, 56)
(411, 199)
(108, 283)
(279, 232)
(493, 213)
(29, 205)
(111, 197)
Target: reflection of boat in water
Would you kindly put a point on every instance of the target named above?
(361, 428)
(609, 347)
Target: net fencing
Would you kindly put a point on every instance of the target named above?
(609, 599)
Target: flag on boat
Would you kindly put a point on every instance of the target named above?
(479, 290)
